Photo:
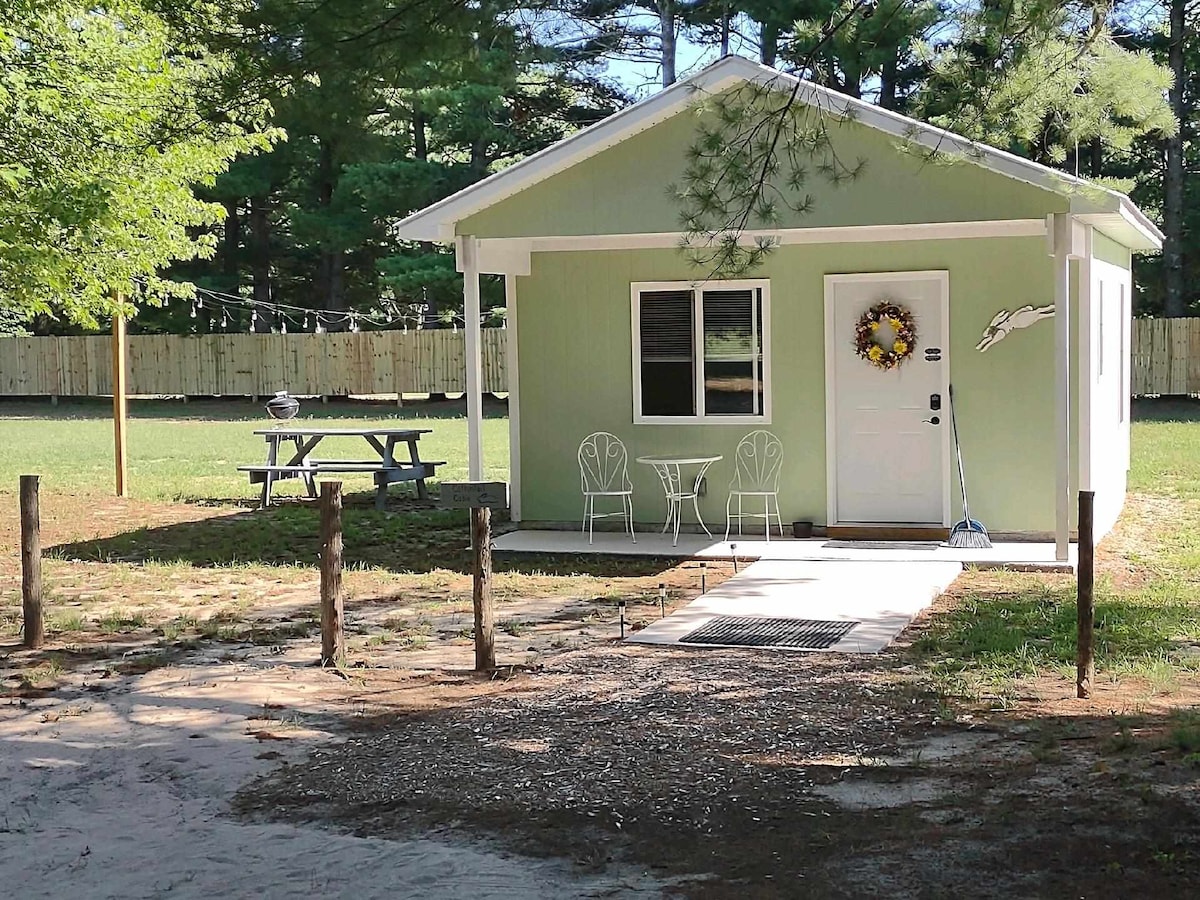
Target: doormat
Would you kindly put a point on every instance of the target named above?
(884, 545)
(760, 631)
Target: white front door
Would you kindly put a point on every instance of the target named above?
(888, 430)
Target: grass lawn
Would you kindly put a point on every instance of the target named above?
(188, 560)
(955, 764)
(189, 522)
(995, 629)
(190, 452)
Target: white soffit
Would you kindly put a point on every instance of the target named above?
(1109, 211)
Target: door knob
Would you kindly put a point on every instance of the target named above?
(934, 420)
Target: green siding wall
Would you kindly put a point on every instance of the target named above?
(624, 190)
(575, 375)
(1109, 251)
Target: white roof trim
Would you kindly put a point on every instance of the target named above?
(438, 221)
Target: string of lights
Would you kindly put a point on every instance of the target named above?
(279, 315)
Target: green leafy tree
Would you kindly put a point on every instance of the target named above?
(105, 127)
(1042, 78)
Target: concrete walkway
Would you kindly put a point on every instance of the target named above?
(1026, 555)
(883, 596)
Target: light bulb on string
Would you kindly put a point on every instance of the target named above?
(306, 322)
(283, 324)
(353, 322)
(193, 309)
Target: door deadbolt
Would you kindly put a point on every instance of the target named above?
(932, 420)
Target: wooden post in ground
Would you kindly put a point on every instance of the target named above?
(120, 408)
(485, 628)
(333, 635)
(31, 563)
(1085, 661)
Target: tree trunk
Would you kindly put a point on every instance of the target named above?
(768, 39)
(419, 137)
(1173, 188)
(231, 245)
(666, 18)
(260, 258)
(726, 14)
(330, 283)
(887, 82)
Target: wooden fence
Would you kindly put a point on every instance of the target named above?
(369, 362)
(1166, 357)
(1166, 361)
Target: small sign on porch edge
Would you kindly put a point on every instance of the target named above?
(474, 495)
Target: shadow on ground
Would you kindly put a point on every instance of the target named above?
(1165, 409)
(411, 537)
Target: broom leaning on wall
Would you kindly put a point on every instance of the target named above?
(967, 533)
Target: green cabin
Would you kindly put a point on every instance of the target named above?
(1012, 283)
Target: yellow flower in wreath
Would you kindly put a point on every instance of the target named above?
(900, 348)
(874, 326)
(875, 353)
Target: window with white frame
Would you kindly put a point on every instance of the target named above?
(701, 352)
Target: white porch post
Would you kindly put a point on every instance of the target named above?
(467, 248)
(1065, 236)
(514, 399)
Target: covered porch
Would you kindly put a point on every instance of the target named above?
(1034, 556)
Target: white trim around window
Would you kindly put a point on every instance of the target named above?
(761, 291)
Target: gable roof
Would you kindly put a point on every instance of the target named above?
(1111, 212)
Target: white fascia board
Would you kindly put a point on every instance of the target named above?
(437, 222)
(1127, 226)
(784, 237)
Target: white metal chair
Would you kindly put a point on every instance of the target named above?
(757, 463)
(604, 472)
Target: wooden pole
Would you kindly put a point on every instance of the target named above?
(485, 630)
(1085, 661)
(120, 408)
(333, 633)
(467, 251)
(31, 563)
(1062, 234)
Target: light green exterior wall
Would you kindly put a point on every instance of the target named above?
(574, 327)
(624, 190)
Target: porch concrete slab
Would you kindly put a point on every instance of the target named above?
(882, 596)
(1032, 556)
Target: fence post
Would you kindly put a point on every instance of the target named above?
(1085, 661)
(481, 596)
(120, 404)
(31, 563)
(333, 635)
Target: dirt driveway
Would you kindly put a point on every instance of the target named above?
(735, 774)
(175, 739)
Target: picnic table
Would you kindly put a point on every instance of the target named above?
(386, 467)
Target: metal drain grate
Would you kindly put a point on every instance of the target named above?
(883, 545)
(761, 631)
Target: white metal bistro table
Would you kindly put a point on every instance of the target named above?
(670, 473)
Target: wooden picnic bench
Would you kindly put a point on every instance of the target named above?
(386, 468)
